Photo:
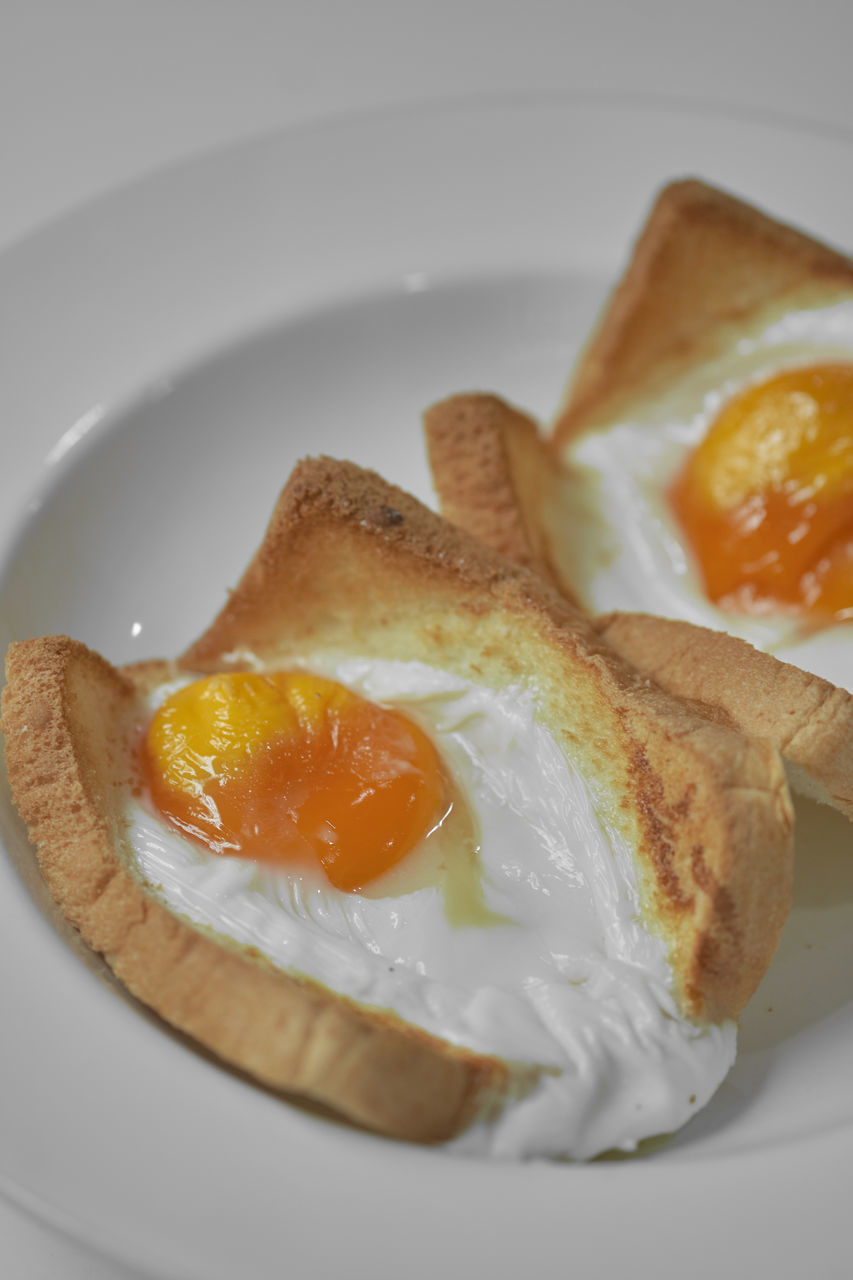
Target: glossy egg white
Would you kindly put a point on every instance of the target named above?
(627, 551)
(529, 946)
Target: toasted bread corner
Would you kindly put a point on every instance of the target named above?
(703, 262)
(493, 477)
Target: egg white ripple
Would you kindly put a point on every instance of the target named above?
(572, 981)
(627, 550)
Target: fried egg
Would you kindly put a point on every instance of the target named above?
(727, 500)
(437, 855)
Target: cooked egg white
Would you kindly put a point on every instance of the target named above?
(627, 550)
(527, 943)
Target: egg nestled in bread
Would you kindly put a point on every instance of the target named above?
(495, 477)
(708, 432)
(580, 880)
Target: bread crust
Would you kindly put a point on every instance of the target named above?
(491, 474)
(495, 477)
(70, 721)
(707, 811)
(470, 444)
(809, 719)
(704, 263)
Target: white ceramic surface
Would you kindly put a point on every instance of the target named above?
(165, 355)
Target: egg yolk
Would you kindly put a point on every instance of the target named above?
(766, 500)
(295, 770)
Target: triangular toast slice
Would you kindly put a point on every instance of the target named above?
(495, 476)
(352, 565)
(704, 263)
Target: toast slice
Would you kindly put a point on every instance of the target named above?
(704, 264)
(350, 564)
(495, 476)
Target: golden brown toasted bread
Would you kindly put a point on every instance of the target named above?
(495, 476)
(704, 263)
(351, 565)
(809, 719)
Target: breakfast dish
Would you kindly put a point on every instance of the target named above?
(558, 973)
(495, 476)
(219, 394)
(721, 369)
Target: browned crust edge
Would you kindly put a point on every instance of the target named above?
(707, 811)
(703, 261)
(490, 472)
(69, 721)
(809, 719)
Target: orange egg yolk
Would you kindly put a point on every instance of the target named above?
(766, 500)
(295, 770)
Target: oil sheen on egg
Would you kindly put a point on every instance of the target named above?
(515, 932)
(727, 500)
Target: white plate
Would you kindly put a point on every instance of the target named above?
(166, 355)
